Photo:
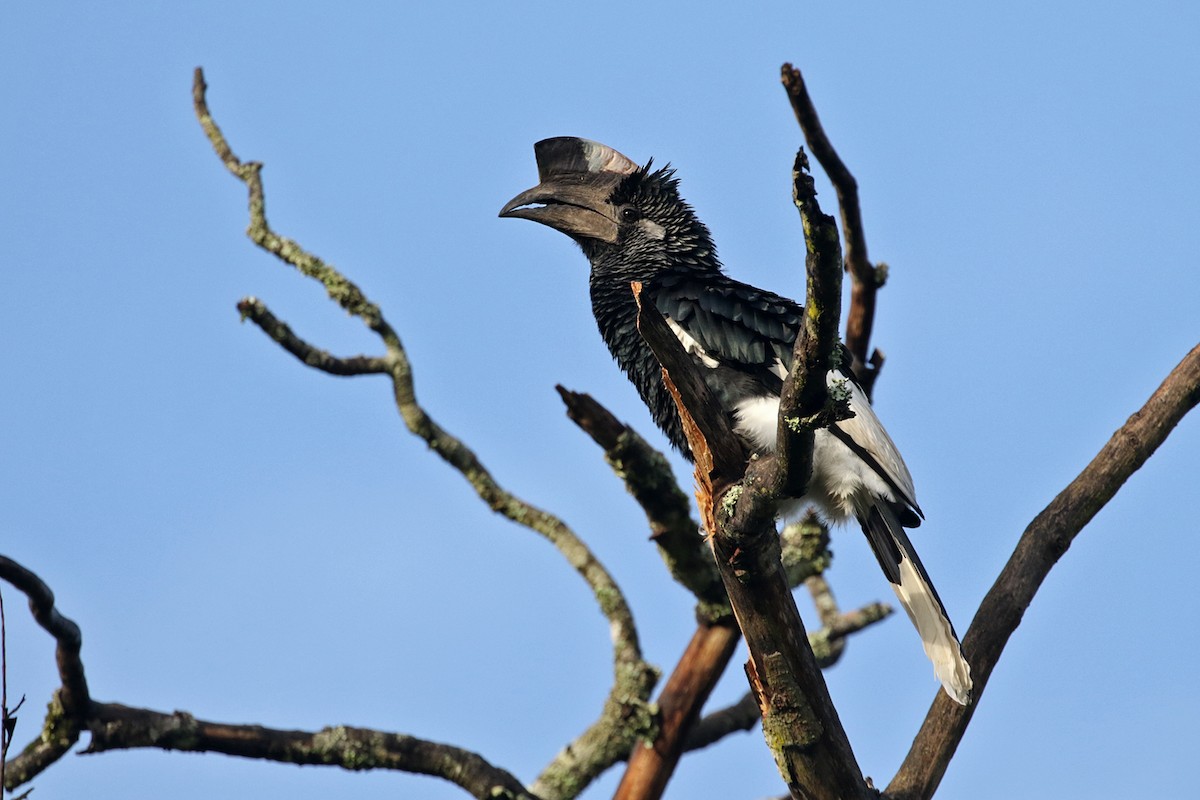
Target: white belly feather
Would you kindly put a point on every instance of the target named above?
(842, 484)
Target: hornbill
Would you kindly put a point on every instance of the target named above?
(633, 225)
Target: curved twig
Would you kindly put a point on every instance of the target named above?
(1041, 546)
(865, 279)
(626, 715)
(253, 309)
(71, 702)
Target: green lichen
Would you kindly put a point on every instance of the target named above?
(881, 274)
(337, 745)
(821, 646)
(729, 501)
(712, 613)
(610, 600)
(58, 729)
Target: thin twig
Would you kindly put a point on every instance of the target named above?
(805, 404)
(253, 309)
(865, 278)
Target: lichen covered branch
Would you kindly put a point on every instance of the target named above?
(626, 714)
(649, 479)
(118, 727)
(256, 311)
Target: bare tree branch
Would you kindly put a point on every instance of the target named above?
(1042, 544)
(804, 555)
(691, 682)
(118, 727)
(865, 279)
(650, 480)
(253, 309)
(626, 714)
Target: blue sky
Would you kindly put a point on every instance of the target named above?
(252, 541)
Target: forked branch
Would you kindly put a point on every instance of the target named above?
(739, 504)
(626, 714)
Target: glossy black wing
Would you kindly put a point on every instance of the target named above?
(741, 327)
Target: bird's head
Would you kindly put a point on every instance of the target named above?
(621, 214)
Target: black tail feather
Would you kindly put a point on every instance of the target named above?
(915, 591)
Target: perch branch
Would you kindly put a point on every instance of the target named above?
(800, 722)
(1042, 544)
(805, 404)
(804, 555)
(827, 647)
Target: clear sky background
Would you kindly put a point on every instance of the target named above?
(253, 541)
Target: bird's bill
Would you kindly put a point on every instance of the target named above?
(576, 205)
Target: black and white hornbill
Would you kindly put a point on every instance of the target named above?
(633, 226)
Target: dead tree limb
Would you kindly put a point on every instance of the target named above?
(865, 278)
(1042, 544)
(118, 727)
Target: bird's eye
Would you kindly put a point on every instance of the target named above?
(630, 214)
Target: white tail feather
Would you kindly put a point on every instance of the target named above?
(937, 636)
